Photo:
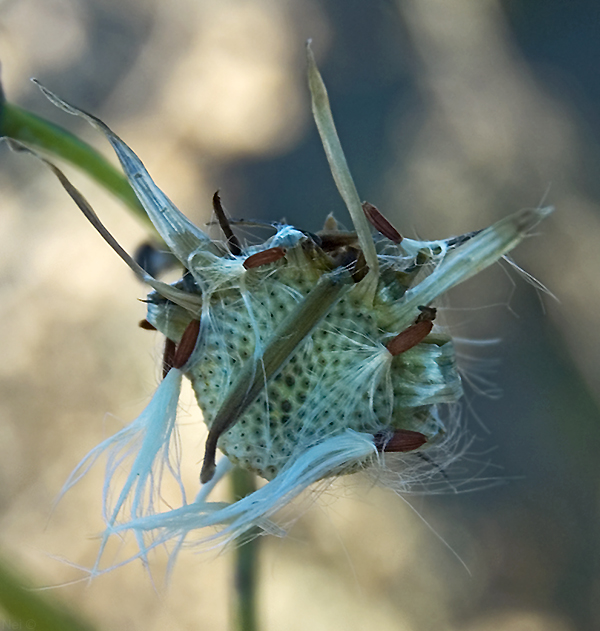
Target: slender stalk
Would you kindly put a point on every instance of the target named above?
(244, 606)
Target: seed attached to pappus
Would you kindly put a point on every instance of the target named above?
(177, 355)
(380, 223)
(144, 324)
(414, 334)
(400, 440)
(187, 344)
(271, 255)
(232, 241)
(168, 356)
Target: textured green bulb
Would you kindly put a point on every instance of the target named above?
(340, 376)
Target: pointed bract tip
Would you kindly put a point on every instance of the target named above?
(528, 218)
(179, 233)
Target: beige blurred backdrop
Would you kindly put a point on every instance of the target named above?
(448, 127)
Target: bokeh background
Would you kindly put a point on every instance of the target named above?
(453, 113)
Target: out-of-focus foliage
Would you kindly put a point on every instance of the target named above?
(28, 610)
(452, 114)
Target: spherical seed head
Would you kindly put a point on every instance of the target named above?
(339, 376)
(312, 353)
(273, 371)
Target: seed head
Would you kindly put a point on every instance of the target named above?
(310, 355)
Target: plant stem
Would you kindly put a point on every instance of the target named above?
(244, 607)
(26, 608)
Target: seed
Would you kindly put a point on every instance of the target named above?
(264, 258)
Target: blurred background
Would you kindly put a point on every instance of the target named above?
(453, 114)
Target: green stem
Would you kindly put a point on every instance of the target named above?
(30, 129)
(246, 563)
(28, 609)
